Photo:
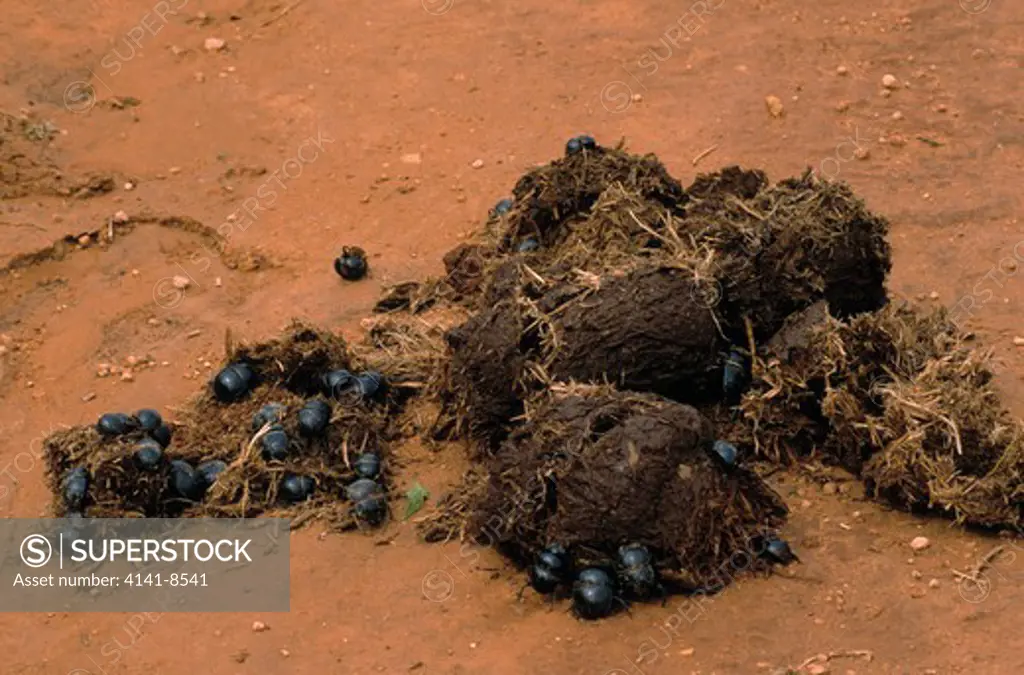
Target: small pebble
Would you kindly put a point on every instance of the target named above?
(217, 282)
(842, 70)
(934, 295)
(180, 282)
(637, 98)
(214, 44)
(818, 669)
(174, 170)
(889, 81)
(412, 158)
(129, 186)
(774, 105)
(920, 543)
(916, 574)
(1018, 341)
(88, 397)
(862, 153)
(477, 164)
(120, 218)
(127, 376)
(829, 488)
(941, 108)
(897, 115)
(259, 627)
(687, 652)
(285, 653)
(934, 583)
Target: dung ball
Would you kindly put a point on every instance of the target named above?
(148, 419)
(115, 424)
(351, 265)
(314, 418)
(271, 413)
(148, 455)
(233, 382)
(76, 488)
(274, 444)
(367, 465)
(295, 488)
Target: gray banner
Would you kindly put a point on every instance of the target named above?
(144, 565)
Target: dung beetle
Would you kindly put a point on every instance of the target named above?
(271, 413)
(314, 418)
(734, 376)
(275, 444)
(148, 455)
(369, 503)
(587, 142)
(502, 207)
(115, 424)
(528, 245)
(726, 452)
(593, 594)
(210, 469)
(162, 435)
(369, 384)
(185, 482)
(351, 265)
(551, 568)
(76, 488)
(337, 382)
(233, 382)
(367, 465)
(637, 572)
(573, 146)
(296, 488)
(778, 551)
(148, 419)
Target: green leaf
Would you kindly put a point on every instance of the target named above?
(416, 497)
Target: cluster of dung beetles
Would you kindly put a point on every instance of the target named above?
(233, 383)
(597, 589)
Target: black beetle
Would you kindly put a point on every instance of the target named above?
(593, 594)
(148, 419)
(734, 376)
(115, 424)
(587, 142)
(233, 382)
(162, 435)
(275, 444)
(528, 245)
(726, 452)
(367, 465)
(148, 455)
(185, 482)
(778, 550)
(337, 382)
(296, 488)
(369, 384)
(637, 573)
(551, 568)
(368, 500)
(573, 146)
(271, 413)
(314, 418)
(351, 265)
(76, 488)
(503, 207)
(210, 469)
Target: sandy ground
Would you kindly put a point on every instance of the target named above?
(294, 138)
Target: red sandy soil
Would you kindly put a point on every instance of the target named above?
(506, 83)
